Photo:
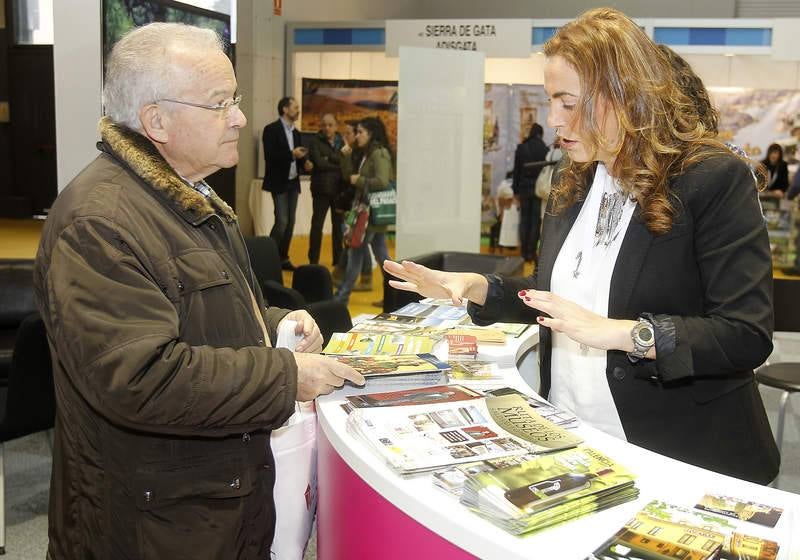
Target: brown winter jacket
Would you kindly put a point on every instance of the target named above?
(166, 392)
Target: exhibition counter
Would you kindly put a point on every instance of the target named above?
(365, 510)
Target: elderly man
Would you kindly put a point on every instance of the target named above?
(166, 379)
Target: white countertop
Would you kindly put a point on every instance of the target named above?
(659, 477)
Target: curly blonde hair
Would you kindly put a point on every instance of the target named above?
(660, 131)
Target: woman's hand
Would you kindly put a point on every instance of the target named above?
(434, 283)
(354, 179)
(578, 323)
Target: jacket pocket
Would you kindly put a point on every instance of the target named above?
(211, 308)
(193, 512)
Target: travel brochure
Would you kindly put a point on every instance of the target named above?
(546, 410)
(365, 344)
(424, 429)
(418, 369)
(661, 530)
(548, 489)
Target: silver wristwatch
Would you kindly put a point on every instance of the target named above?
(643, 337)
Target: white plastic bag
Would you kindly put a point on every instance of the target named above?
(509, 227)
(294, 446)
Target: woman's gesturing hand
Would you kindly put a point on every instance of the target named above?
(427, 282)
(578, 323)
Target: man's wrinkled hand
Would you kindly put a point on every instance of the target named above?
(319, 375)
(308, 328)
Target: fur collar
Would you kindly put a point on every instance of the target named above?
(139, 154)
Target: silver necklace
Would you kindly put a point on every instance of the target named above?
(608, 219)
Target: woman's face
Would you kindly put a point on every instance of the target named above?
(563, 86)
(774, 156)
(362, 136)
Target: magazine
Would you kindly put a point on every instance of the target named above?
(403, 369)
(767, 516)
(423, 430)
(548, 489)
(552, 413)
(461, 347)
(365, 344)
(452, 479)
(661, 530)
(474, 370)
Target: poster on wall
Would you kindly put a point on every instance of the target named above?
(120, 16)
(350, 100)
(755, 118)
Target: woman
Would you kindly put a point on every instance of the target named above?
(777, 170)
(374, 174)
(653, 291)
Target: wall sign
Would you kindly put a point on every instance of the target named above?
(498, 38)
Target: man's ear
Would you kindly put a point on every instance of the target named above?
(154, 122)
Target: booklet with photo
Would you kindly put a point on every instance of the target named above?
(485, 335)
(511, 329)
(404, 364)
(452, 479)
(662, 530)
(740, 509)
(365, 344)
(474, 370)
(461, 346)
(548, 489)
(423, 430)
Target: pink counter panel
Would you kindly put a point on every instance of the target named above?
(356, 523)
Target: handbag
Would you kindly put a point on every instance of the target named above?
(542, 188)
(383, 206)
(356, 220)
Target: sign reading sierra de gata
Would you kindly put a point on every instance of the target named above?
(498, 38)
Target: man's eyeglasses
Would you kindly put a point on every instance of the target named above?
(224, 107)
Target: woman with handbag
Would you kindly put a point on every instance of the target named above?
(375, 173)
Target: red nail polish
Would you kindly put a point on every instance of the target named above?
(540, 318)
(521, 293)
(527, 298)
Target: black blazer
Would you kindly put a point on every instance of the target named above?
(710, 277)
(278, 157)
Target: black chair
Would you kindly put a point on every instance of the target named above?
(27, 403)
(312, 288)
(451, 261)
(16, 303)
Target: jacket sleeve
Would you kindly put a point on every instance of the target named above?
(516, 181)
(118, 338)
(380, 163)
(276, 153)
(502, 302)
(734, 333)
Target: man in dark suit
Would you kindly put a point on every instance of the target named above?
(532, 150)
(284, 157)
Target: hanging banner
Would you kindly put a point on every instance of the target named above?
(498, 38)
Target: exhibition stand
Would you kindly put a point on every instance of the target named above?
(367, 511)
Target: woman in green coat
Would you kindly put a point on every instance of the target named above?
(374, 174)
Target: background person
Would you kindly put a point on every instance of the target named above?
(533, 149)
(166, 382)
(653, 291)
(374, 173)
(325, 152)
(777, 170)
(284, 157)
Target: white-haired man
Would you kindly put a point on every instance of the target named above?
(166, 382)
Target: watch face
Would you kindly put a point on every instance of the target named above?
(644, 334)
